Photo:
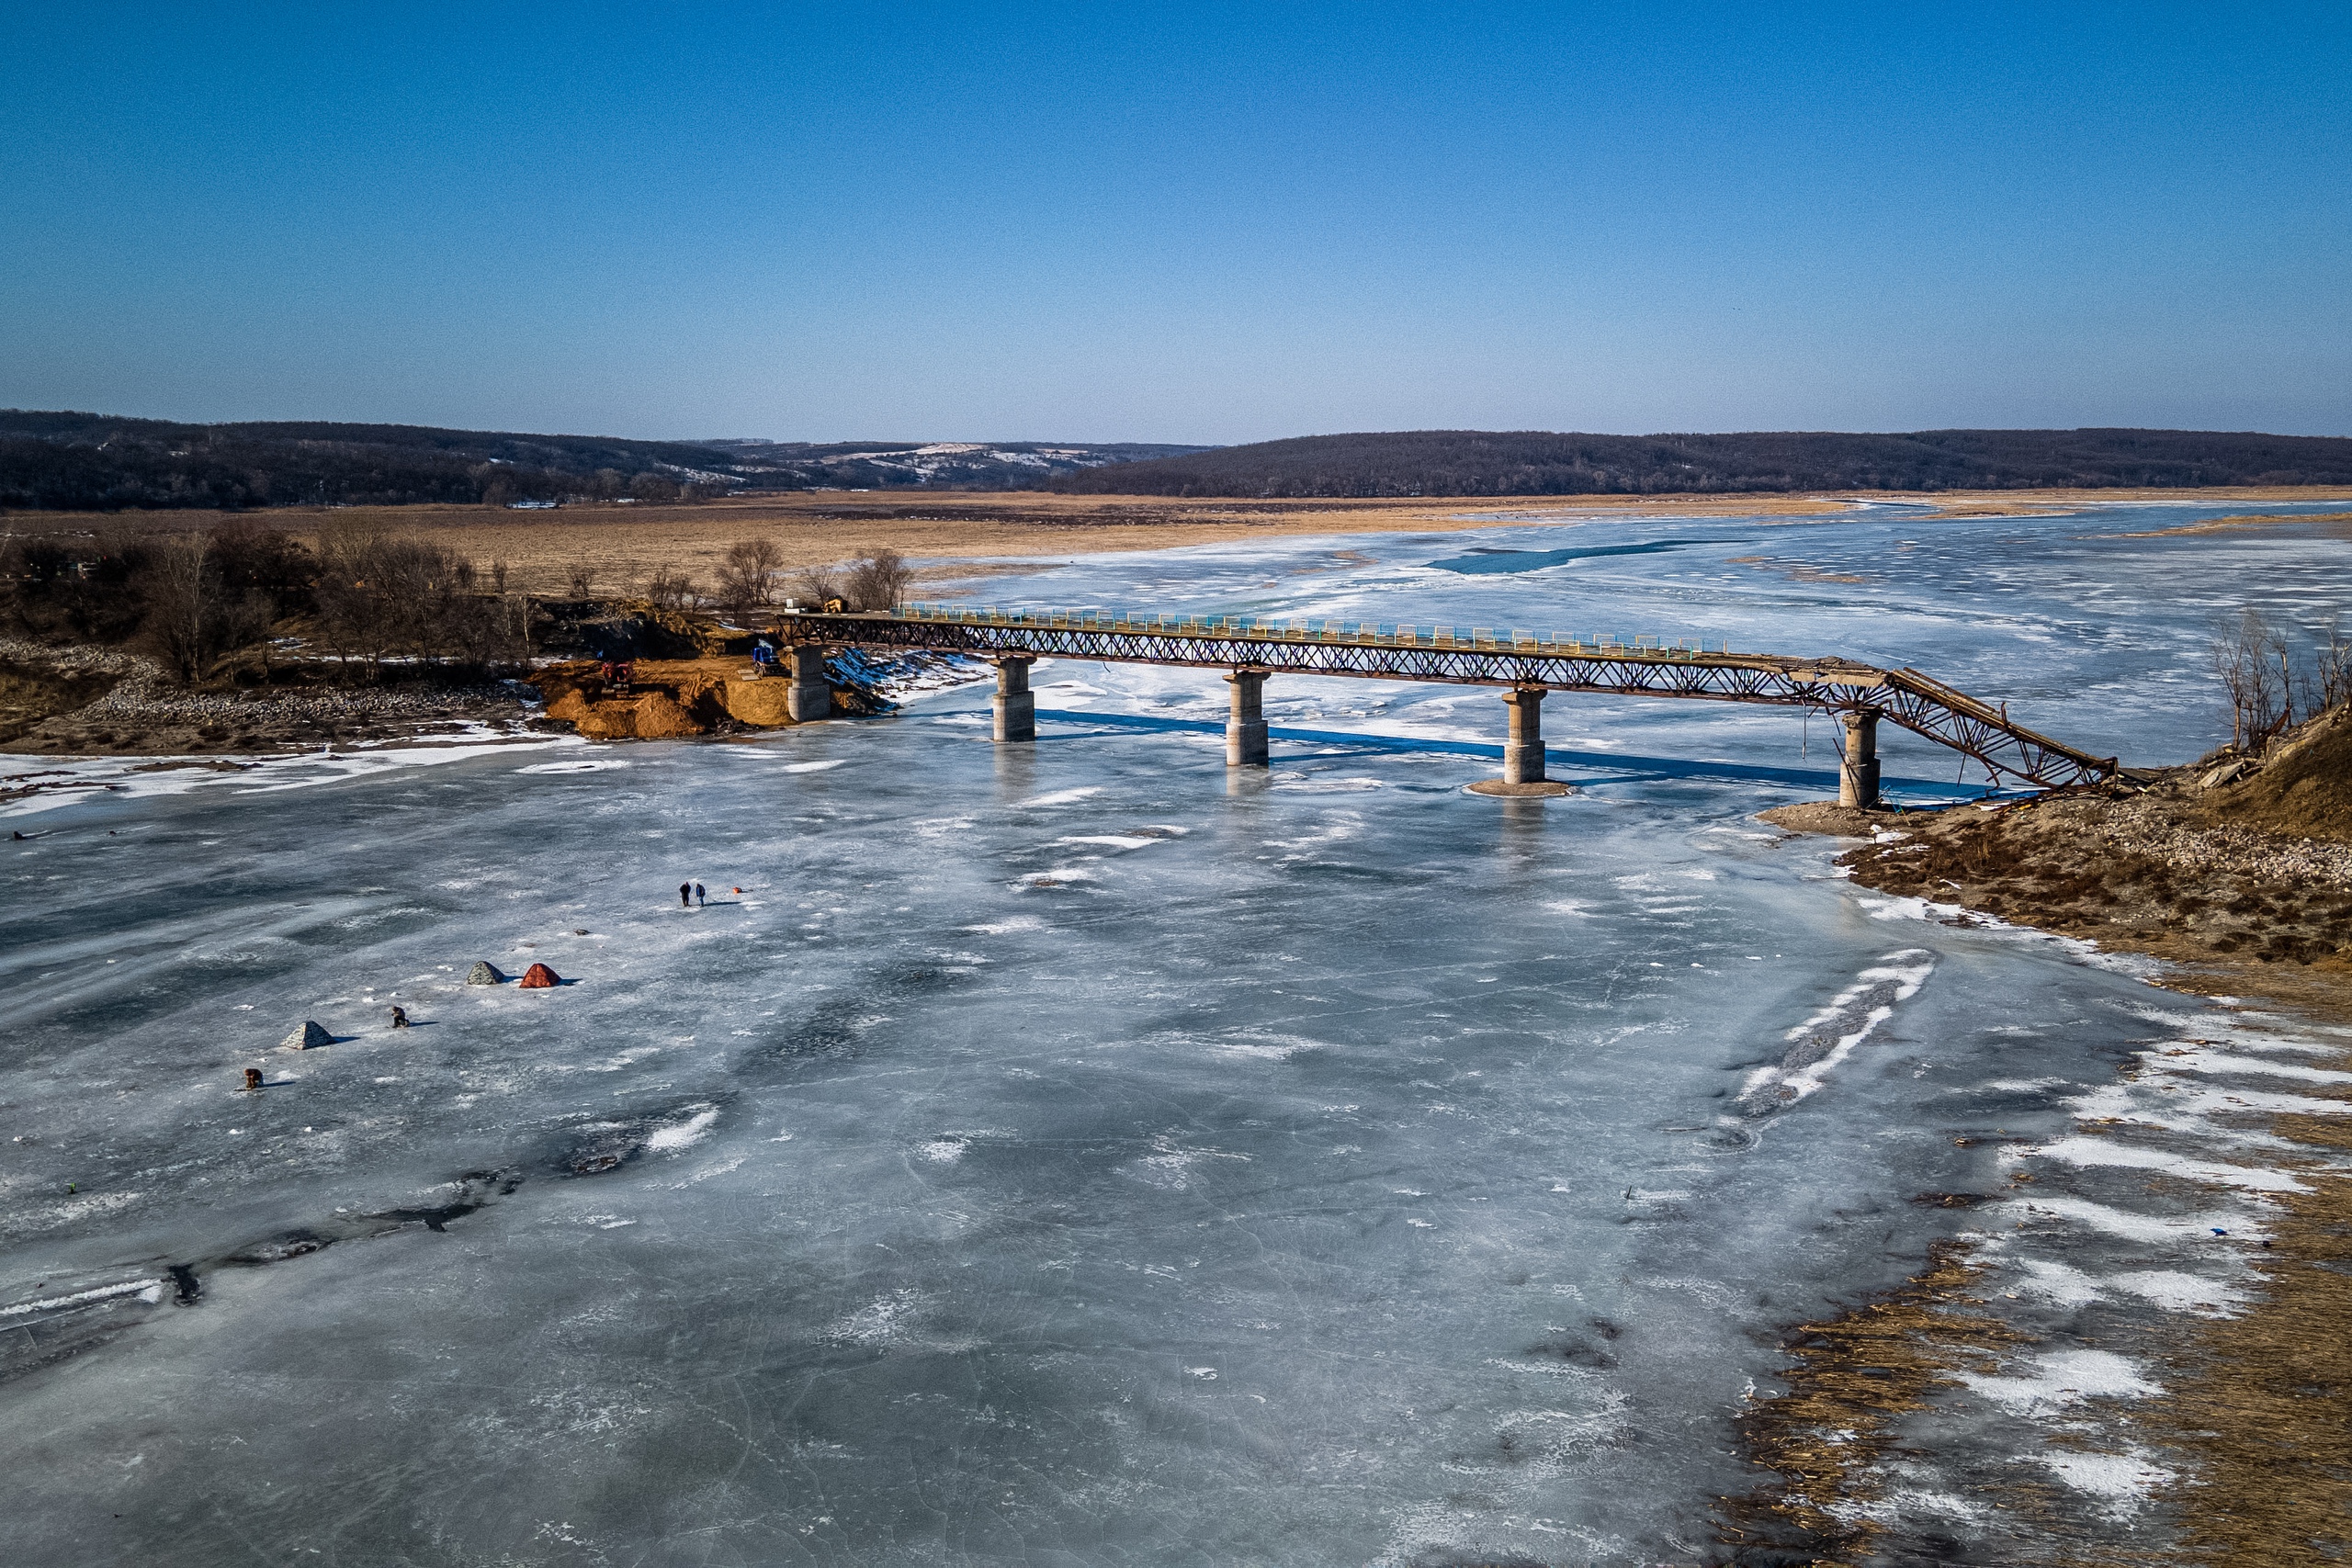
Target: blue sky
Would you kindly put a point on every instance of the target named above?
(1182, 223)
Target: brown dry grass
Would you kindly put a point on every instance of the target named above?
(1854, 1376)
(2048, 863)
(622, 543)
(2255, 1402)
(2303, 790)
(2258, 1403)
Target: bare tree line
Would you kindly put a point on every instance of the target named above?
(875, 581)
(751, 576)
(195, 598)
(383, 597)
(194, 613)
(2270, 684)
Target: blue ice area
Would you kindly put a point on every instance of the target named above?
(1491, 558)
(1065, 1154)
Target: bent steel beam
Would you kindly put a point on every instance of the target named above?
(1918, 702)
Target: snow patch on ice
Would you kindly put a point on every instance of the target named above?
(2176, 1292)
(679, 1134)
(2090, 1152)
(1822, 1043)
(880, 1321)
(582, 766)
(102, 1292)
(1007, 926)
(2152, 1229)
(2215, 1062)
(1061, 798)
(2121, 1480)
(1272, 1048)
(2063, 1378)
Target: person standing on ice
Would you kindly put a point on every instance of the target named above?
(698, 894)
(686, 889)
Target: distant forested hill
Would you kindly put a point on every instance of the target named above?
(1526, 462)
(99, 462)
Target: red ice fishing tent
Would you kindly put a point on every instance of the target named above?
(540, 978)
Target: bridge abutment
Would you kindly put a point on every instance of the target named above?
(1014, 704)
(1857, 769)
(808, 697)
(1245, 727)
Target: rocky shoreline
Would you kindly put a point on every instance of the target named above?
(81, 701)
(2214, 878)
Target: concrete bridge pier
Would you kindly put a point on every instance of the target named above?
(1523, 750)
(1015, 704)
(1245, 728)
(808, 697)
(1857, 769)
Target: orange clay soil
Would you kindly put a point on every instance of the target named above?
(666, 698)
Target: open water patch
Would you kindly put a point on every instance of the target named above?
(1490, 561)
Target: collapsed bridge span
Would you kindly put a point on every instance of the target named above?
(1526, 664)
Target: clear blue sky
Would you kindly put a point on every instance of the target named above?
(1182, 223)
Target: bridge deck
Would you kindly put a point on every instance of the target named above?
(1478, 656)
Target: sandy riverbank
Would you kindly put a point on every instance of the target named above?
(618, 544)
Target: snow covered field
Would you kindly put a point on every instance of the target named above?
(1076, 1152)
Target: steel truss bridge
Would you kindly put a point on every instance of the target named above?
(1477, 656)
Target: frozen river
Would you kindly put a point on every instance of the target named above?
(1062, 1154)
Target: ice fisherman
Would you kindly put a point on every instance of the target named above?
(698, 895)
(685, 891)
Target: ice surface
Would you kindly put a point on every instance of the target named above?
(1075, 1153)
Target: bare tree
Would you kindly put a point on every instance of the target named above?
(580, 575)
(182, 587)
(2251, 660)
(747, 574)
(382, 597)
(816, 586)
(878, 580)
(2329, 684)
(668, 589)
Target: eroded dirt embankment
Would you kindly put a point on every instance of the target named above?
(670, 698)
(2245, 885)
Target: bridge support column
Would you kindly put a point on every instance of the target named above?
(1523, 750)
(1858, 770)
(808, 697)
(1015, 704)
(1245, 728)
